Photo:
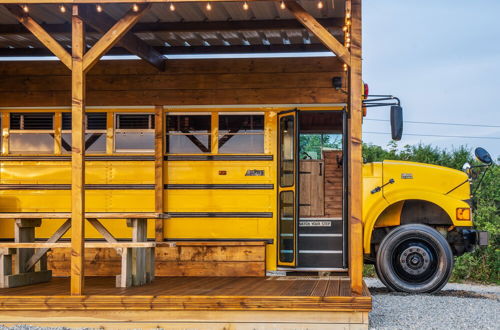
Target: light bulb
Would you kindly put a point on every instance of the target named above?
(98, 8)
(26, 9)
(135, 7)
(209, 6)
(347, 45)
(62, 9)
(245, 6)
(172, 7)
(345, 67)
(282, 5)
(320, 4)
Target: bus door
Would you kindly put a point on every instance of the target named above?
(287, 188)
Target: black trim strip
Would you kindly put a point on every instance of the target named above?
(68, 158)
(137, 186)
(143, 158)
(267, 240)
(217, 157)
(220, 214)
(68, 186)
(221, 186)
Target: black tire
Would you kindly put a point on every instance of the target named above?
(415, 259)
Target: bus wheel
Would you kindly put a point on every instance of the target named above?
(414, 258)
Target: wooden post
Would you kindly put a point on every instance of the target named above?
(159, 175)
(77, 155)
(355, 157)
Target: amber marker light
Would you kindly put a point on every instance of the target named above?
(463, 213)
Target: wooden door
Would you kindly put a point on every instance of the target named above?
(312, 188)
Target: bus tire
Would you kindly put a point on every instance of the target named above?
(414, 258)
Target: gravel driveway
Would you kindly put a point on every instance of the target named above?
(457, 306)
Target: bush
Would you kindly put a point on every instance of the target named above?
(482, 265)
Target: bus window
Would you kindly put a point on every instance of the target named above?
(287, 226)
(32, 132)
(134, 132)
(95, 132)
(287, 160)
(241, 133)
(313, 145)
(189, 133)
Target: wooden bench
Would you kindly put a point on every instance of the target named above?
(137, 256)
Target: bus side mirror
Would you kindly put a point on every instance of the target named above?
(396, 122)
(483, 156)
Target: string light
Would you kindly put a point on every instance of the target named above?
(26, 8)
(245, 5)
(98, 8)
(62, 9)
(320, 4)
(344, 28)
(209, 6)
(172, 7)
(345, 67)
(135, 7)
(282, 5)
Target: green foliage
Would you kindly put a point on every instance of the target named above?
(482, 265)
(313, 144)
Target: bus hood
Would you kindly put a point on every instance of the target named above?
(411, 176)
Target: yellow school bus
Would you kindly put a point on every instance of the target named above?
(274, 174)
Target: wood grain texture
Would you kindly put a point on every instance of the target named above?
(39, 32)
(159, 173)
(211, 260)
(318, 30)
(333, 184)
(113, 36)
(190, 293)
(355, 157)
(77, 153)
(186, 82)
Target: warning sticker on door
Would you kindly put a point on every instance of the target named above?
(315, 224)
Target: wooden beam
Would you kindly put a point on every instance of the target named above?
(45, 38)
(159, 175)
(177, 50)
(77, 154)
(110, 38)
(334, 24)
(103, 22)
(121, 1)
(318, 30)
(355, 157)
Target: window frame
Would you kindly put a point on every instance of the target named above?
(133, 130)
(87, 131)
(242, 113)
(210, 134)
(10, 131)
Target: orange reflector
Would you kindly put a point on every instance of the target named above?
(463, 213)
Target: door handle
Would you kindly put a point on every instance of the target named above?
(320, 169)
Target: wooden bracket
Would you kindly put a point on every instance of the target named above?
(40, 33)
(103, 23)
(319, 31)
(110, 38)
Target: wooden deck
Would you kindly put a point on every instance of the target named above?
(213, 301)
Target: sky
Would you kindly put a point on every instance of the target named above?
(442, 59)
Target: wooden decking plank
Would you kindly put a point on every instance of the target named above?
(180, 293)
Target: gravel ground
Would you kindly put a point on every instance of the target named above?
(457, 306)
